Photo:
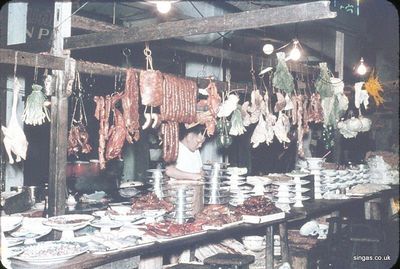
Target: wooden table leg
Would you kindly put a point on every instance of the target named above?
(269, 248)
(283, 233)
(153, 262)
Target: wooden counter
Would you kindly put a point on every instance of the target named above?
(310, 209)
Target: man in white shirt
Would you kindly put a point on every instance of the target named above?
(188, 165)
(187, 169)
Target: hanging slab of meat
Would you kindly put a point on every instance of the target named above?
(170, 133)
(100, 114)
(130, 102)
(300, 130)
(281, 128)
(315, 112)
(14, 137)
(179, 100)
(78, 140)
(117, 135)
(306, 128)
(280, 103)
(151, 91)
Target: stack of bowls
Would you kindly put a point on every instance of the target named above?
(182, 198)
(216, 185)
(157, 179)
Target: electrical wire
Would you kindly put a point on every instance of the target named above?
(56, 27)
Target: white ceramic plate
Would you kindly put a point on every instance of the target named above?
(103, 223)
(11, 252)
(11, 241)
(50, 252)
(32, 228)
(9, 223)
(68, 222)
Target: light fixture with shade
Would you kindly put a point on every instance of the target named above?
(361, 68)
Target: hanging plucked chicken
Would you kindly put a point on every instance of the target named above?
(14, 137)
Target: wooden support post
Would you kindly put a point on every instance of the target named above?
(284, 242)
(3, 122)
(339, 63)
(228, 22)
(3, 97)
(269, 248)
(59, 114)
(339, 53)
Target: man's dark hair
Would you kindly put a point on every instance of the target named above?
(183, 132)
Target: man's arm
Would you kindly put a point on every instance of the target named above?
(174, 172)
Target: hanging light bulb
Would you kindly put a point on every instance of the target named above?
(163, 6)
(361, 69)
(295, 53)
(268, 49)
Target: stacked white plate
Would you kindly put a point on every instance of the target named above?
(317, 183)
(329, 178)
(283, 198)
(240, 193)
(299, 190)
(261, 184)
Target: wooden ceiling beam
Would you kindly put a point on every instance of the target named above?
(229, 22)
(188, 47)
(58, 63)
(93, 25)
